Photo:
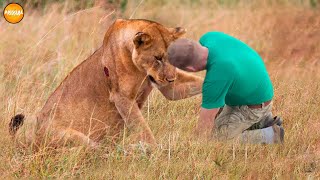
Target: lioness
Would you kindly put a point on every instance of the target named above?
(107, 91)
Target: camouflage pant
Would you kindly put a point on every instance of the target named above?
(233, 122)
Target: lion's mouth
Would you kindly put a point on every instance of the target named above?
(152, 79)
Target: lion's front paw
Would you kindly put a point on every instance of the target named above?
(148, 138)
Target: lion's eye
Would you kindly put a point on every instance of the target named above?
(158, 58)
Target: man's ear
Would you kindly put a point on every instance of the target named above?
(177, 32)
(141, 39)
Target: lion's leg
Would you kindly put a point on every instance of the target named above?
(30, 135)
(70, 135)
(131, 114)
(185, 85)
(143, 97)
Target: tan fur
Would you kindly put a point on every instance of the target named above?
(89, 106)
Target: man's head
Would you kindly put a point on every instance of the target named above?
(188, 55)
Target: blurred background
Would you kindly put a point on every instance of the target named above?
(278, 29)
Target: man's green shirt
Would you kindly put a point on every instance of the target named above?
(236, 74)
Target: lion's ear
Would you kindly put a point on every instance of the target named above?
(177, 32)
(141, 39)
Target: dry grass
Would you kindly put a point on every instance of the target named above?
(36, 54)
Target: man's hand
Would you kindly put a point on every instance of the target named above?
(206, 122)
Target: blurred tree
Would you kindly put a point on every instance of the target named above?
(314, 3)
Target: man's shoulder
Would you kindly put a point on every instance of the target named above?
(213, 34)
(215, 38)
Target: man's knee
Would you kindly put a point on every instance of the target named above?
(228, 131)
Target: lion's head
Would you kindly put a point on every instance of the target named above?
(150, 52)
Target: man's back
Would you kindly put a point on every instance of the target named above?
(236, 74)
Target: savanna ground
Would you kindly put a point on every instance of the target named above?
(54, 37)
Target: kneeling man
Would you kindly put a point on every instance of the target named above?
(236, 82)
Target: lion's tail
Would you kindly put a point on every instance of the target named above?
(15, 123)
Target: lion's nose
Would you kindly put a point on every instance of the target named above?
(170, 79)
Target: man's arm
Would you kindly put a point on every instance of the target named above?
(185, 85)
(206, 121)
